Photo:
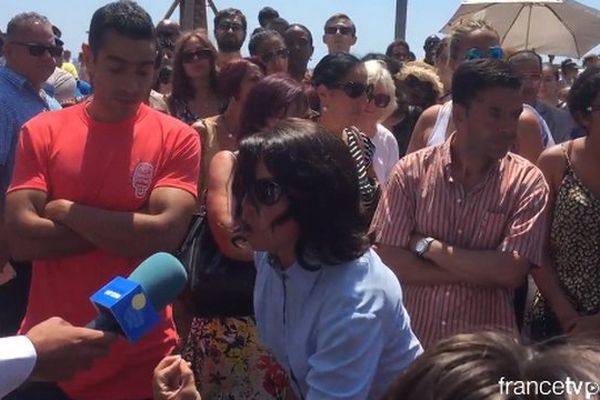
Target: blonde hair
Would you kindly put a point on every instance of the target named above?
(423, 72)
(463, 29)
(378, 72)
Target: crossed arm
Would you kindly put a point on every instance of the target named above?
(41, 230)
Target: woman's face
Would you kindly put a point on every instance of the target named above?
(376, 107)
(549, 85)
(251, 78)
(342, 102)
(196, 58)
(274, 54)
(264, 203)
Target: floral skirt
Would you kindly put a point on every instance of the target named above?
(229, 363)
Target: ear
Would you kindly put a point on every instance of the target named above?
(354, 39)
(312, 50)
(323, 93)
(324, 41)
(8, 49)
(459, 114)
(88, 59)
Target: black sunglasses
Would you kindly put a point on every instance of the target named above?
(226, 26)
(380, 100)
(200, 54)
(343, 30)
(353, 89)
(266, 191)
(268, 56)
(38, 50)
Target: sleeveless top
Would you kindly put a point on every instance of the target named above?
(440, 129)
(575, 251)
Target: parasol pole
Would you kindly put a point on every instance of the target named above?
(528, 27)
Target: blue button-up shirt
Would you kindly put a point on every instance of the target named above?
(341, 332)
(19, 102)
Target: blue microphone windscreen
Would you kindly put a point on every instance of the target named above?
(162, 277)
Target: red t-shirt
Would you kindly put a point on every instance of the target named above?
(113, 166)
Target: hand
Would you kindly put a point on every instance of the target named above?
(57, 210)
(63, 349)
(588, 325)
(174, 380)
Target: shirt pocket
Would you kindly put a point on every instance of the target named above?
(491, 229)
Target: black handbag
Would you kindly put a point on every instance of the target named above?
(218, 286)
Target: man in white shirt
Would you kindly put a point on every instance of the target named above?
(51, 351)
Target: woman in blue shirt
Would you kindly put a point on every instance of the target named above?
(326, 306)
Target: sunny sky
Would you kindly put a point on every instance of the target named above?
(374, 18)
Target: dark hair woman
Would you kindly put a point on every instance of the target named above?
(194, 94)
(340, 80)
(229, 347)
(569, 284)
(320, 289)
(219, 132)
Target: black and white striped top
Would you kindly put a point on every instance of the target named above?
(362, 150)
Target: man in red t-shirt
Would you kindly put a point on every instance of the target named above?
(98, 187)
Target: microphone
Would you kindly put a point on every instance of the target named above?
(130, 306)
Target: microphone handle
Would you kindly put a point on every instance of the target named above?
(105, 322)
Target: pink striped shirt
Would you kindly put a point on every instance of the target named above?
(504, 212)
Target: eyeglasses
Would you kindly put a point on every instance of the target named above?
(268, 56)
(380, 100)
(38, 50)
(226, 26)
(476, 53)
(353, 89)
(266, 191)
(342, 30)
(200, 54)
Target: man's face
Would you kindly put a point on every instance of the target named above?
(122, 73)
(400, 53)
(19, 48)
(490, 122)
(338, 36)
(230, 34)
(531, 75)
(298, 43)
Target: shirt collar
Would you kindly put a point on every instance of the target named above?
(14, 77)
(299, 277)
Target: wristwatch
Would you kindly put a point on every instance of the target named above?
(422, 246)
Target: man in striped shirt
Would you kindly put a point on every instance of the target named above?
(461, 223)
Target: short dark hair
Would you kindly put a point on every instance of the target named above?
(583, 92)
(269, 98)
(337, 16)
(304, 28)
(320, 179)
(259, 37)
(398, 42)
(18, 20)
(391, 64)
(230, 13)
(525, 56)
(333, 67)
(475, 76)
(126, 18)
(265, 14)
(278, 24)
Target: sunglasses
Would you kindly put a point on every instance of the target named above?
(353, 89)
(476, 53)
(200, 54)
(266, 191)
(380, 100)
(343, 30)
(38, 50)
(270, 55)
(225, 26)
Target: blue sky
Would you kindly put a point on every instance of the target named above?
(374, 18)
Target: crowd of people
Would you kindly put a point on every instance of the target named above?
(409, 229)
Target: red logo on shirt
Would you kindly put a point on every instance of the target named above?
(142, 179)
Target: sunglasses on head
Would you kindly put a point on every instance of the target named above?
(200, 54)
(380, 100)
(270, 55)
(343, 30)
(266, 191)
(226, 26)
(38, 50)
(353, 89)
(476, 53)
